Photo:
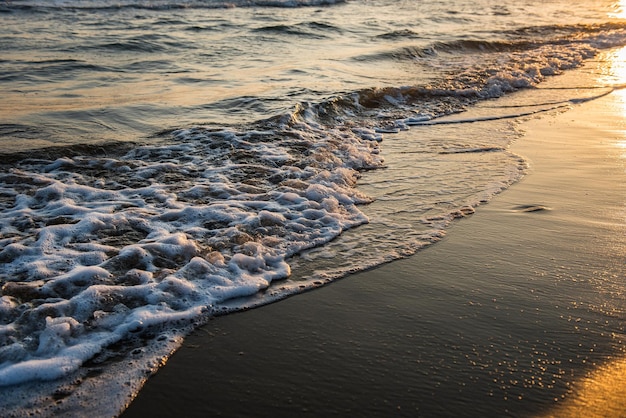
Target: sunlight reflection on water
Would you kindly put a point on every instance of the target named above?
(619, 10)
(600, 394)
(614, 74)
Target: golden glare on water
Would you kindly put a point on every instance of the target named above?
(602, 394)
(614, 75)
(620, 10)
(622, 146)
(615, 69)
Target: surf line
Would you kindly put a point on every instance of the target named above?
(565, 104)
(481, 119)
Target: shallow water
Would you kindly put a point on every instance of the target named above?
(164, 162)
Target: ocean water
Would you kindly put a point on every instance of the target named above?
(164, 162)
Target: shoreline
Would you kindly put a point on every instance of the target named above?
(515, 312)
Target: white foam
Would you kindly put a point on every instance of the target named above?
(164, 236)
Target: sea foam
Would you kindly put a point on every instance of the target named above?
(96, 250)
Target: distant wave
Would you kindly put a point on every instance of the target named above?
(159, 4)
(307, 29)
(525, 39)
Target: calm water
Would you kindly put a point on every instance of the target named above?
(167, 161)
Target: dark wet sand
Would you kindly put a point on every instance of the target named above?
(519, 311)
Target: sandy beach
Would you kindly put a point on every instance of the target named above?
(518, 311)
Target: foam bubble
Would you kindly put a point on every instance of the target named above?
(98, 250)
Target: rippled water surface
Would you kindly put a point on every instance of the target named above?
(93, 71)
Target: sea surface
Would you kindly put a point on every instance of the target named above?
(164, 162)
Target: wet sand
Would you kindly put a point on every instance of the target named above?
(518, 311)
